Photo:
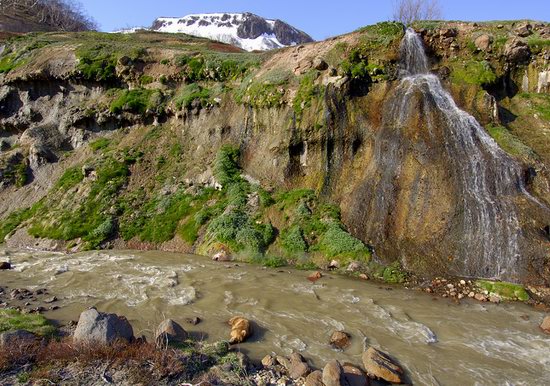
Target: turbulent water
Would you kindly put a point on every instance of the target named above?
(486, 177)
(437, 341)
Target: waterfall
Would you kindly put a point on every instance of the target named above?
(486, 178)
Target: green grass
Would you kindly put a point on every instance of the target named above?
(100, 144)
(70, 178)
(10, 223)
(190, 93)
(539, 103)
(307, 91)
(473, 72)
(138, 101)
(507, 291)
(266, 91)
(11, 320)
(538, 44)
(90, 220)
(292, 240)
(7, 63)
(97, 63)
(336, 242)
(146, 79)
(509, 142)
(226, 166)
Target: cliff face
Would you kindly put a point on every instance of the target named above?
(125, 136)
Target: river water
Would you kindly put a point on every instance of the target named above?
(437, 341)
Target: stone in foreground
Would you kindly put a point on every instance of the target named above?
(314, 379)
(340, 340)
(380, 365)
(355, 376)
(102, 327)
(170, 332)
(333, 374)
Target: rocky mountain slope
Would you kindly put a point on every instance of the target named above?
(163, 141)
(245, 30)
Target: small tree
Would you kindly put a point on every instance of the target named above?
(409, 11)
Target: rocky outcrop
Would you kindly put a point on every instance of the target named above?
(102, 328)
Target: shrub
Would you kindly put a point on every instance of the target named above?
(306, 92)
(97, 63)
(337, 242)
(146, 79)
(393, 274)
(292, 240)
(226, 167)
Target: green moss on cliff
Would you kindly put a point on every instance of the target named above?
(473, 72)
(138, 101)
(509, 142)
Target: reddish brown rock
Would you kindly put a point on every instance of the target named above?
(315, 276)
(545, 325)
(380, 366)
(340, 339)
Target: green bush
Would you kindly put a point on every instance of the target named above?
(306, 92)
(292, 240)
(393, 274)
(226, 167)
(10, 223)
(7, 63)
(146, 79)
(337, 242)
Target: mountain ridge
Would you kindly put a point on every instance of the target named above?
(245, 30)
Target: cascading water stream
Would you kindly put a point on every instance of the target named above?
(486, 177)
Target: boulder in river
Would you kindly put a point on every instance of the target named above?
(5, 265)
(102, 327)
(340, 339)
(315, 276)
(380, 365)
(240, 329)
(333, 374)
(17, 338)
(170, 332)
(545, 325)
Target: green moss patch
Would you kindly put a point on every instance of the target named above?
(190, 93)
(473, 72)
(138, 101)
(509, 142)
(506, 291)
(11, 320)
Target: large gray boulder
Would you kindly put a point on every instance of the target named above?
(102, 327)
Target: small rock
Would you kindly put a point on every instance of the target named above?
(334, 264)
(450, 286)
(494, 299)
(480, 297)
(545, 325)
(50, 300)
(333, 374)
(170, 332)
(471, 294)
(315, 276)
(463, 282)
(355, 376)
(298, 367)
(4, 265)
(283, 361)
(364, 276)
(240, 329)
(268, 361)
(314, 379)
(354, 266)
(460, 296)
(380, 365)
(194, 320)
(483, 42)
(340, 339)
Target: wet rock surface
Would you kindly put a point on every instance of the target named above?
(103, 328)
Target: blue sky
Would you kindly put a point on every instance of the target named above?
(319, 18)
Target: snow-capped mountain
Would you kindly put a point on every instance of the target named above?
(245, 30)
